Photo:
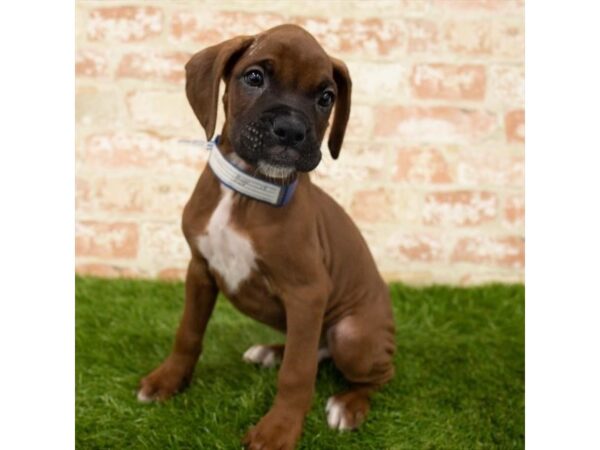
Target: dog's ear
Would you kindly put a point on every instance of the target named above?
(203, 74)
(341, 114)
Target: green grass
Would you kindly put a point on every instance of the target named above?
(459, 373)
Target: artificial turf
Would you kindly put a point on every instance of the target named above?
(459, 380)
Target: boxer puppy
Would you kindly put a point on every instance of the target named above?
(292, 259)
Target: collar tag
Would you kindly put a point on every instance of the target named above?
(245, 184)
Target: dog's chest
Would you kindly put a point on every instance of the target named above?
(228, 252)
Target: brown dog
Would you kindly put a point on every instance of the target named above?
(302, 268)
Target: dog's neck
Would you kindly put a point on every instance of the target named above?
(246, 179)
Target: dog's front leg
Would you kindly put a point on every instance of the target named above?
(281, 427)
(176, 371)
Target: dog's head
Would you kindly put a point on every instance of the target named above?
(281, 88)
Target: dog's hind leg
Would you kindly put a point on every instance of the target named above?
(264, 355)
(362, 349)
(271, 355)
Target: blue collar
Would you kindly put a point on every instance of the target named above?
(239, 181)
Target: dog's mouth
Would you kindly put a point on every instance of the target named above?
(279, 162)
(271, 170)
(256, 145)
(279, 159)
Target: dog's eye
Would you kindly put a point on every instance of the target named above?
(254, 78)
(326, 99)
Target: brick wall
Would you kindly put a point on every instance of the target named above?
(432, 168)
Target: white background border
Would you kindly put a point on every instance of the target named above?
(562, 225)
(37, 358)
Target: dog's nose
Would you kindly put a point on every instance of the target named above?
(289, 130)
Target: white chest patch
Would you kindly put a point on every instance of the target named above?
(227, 251)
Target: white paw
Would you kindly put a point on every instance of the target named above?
(336, 418)
(143, 398)
(323, 354)
(262, 355)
